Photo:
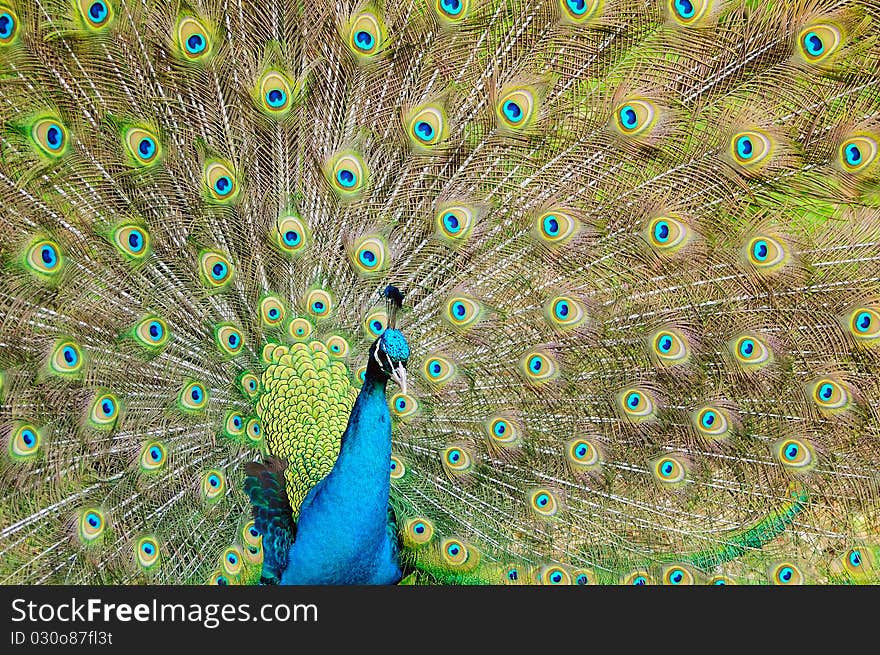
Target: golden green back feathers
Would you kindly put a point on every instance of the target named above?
(304, 407)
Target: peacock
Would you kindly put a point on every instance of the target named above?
(440, 292)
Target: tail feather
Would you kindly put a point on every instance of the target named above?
(265, 485)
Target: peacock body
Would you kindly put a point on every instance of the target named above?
(639, 247)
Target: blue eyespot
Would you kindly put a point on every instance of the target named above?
(792, 451)
(667, 469)
(708, 419)
(542, 500)
(685, 8)
(556, 577)
(195, 44)
(760, 250)
(156, 331)
(746, 348)
(292, 237)
(454, 456)
(853, 155)
(562, 309)
(70, 355)
(135, 240)
(93, 519)
(513, 111)
(453, 550)
(364, 40)
(218, 272)
(232, 558)
(451, 223)
(628, 117)
(155, 454)
(148, 549)
(640, 581)
(147, 147)
(276, 98)
(666, 344)
(744, 147)
(223, 185)
(233, 340)
(424, 131)
(107, 407)
(419, 528)
(346, 178)
(634, 400)
(318, 306)
(400, 404)
(28, 437)
(813, 44)
(436, 369)
(855, 558)
(582, 450)
(500, 428)
(49, 256)
(54, 137)
(551, 225)
(196, 394)
(367, 257)
(661, 232)
(236, 421)
(577, 7)
(582, 579)
(273, 313)
(786, 574)
(7, 25)
(720, 582)
(98, 11)
(451, 7)
(863, 322)
(513, 575)
(376, 326)
(536, 364)
(826, 391)
(459, 309)
(676, 577)
(254, 532)
(213, 480)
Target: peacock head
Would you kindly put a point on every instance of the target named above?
(390, 353)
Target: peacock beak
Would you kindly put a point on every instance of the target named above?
(399, 375)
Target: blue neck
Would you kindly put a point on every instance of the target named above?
(359, 482)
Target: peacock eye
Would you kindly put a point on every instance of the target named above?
(857, 153)
(669, 470)
(677, 575)
(543, 503)
(750, 352)
(8, 26)
(274, 93)
(427, 127)
(751, 148)
(193, 39)
(795, 454)
(221, 182)
(370, 255)
(216, 269)
(816, 43)
(517, 108)
(786, 574)
(690, 12)
(347, 174)
(635, 117)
